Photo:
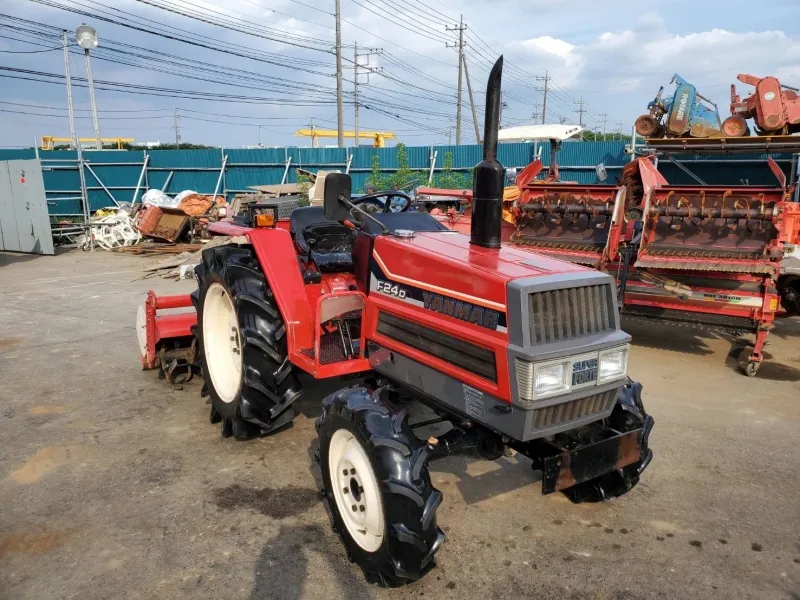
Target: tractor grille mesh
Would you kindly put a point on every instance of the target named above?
(569, 313)
(559, 414)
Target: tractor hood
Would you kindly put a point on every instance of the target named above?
(447, 261)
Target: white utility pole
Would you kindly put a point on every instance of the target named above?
(339, 107)
(73, 138)
(605, 119)
(177, 126)
(460, 28)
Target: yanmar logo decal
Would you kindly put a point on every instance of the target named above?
(461, 310)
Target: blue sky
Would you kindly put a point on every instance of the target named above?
(612, 54)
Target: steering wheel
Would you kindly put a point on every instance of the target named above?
(386, 205)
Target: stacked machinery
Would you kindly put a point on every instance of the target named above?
(774, 108)
(717, 256)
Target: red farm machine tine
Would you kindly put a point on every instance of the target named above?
(166, 341)
(712, 255)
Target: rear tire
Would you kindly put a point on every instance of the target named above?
(394, 537)
(242, 345)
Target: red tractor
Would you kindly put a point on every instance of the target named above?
(512, 351)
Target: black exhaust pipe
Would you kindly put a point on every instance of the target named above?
(489, 175)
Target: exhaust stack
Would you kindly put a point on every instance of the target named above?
(489, 175)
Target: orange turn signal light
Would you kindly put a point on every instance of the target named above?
(265, 220)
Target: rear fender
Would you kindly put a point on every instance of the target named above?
(276, 254)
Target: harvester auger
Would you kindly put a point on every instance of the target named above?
(512, 351)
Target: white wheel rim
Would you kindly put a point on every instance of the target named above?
(141, 329)
(354, 485)
(222, 343)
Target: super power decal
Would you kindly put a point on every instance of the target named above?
(445, 305)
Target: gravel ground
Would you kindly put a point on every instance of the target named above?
(116, 485)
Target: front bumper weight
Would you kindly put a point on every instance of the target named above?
(569, 468)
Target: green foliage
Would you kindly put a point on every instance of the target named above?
(304, 183)
(404, 177)
(450, 179)
(596, 136)
(181, 146)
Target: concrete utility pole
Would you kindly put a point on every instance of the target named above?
(177, 126)
(605, 119)
(339, 107)
(472, 104)
(546, 80)
(581, 112)
(535, 115)
(460, 28)
(72, 136)
(357, 67)
(355, 92)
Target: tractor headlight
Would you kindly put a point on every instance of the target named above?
(613, 364)
(541, 380)
(550, 379)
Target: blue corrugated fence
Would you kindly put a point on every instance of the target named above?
(115, 173)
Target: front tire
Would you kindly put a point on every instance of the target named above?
(628, 415)
(378, 487)
(242, 345)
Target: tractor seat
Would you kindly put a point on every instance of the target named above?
(328, 243)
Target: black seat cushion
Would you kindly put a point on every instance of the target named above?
(328, 243)
(410, 220)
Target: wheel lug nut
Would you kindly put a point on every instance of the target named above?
(361, 508)
(346, 491)
(344, 472)
(352, 471)
(355, 508)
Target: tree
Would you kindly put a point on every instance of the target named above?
(449, 179)
(404, 177)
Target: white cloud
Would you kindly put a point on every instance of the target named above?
(607, 53)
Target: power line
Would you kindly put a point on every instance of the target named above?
(29, 51)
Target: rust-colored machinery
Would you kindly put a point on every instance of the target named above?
(774, 107)
(705, 255)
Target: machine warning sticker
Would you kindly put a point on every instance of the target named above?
(473, 399)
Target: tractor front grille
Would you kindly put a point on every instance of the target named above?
(575, 410)
(569, 313)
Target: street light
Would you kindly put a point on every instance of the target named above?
(86, 36)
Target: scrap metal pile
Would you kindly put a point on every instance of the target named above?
(717, 256)
(153, 227)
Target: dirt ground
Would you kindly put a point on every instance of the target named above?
(116, 485)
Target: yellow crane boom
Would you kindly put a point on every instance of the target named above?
(378, 137)
(49, 142)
